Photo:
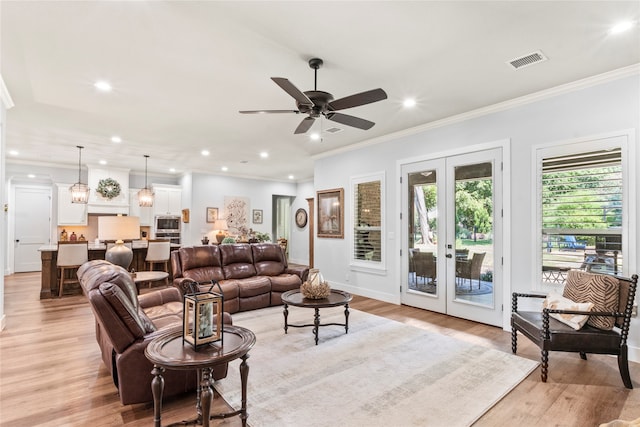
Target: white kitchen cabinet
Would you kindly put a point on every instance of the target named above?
(144, 213)
(168, 200)
(70, 213)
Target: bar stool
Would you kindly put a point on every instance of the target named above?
(71, 255)
(158, 252)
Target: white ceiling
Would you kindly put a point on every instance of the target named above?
(182, 70)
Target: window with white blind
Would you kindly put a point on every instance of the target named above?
(367, 220)
(581, 208)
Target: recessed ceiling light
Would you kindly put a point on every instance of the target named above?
(224, 169)
(291, 176)
(314, 136)
(31, 175)
(205, 152)
(14, 152)
(172, 170)
(621, 27)
(116, 139)
(102, 86)
(409, 103)
(103, 162)
(264, 155)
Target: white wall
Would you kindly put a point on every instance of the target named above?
(299, 240)
(210, 191)
(5, 103)
(588, 111)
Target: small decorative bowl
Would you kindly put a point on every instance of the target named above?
(318, 291)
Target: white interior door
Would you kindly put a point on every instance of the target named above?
(32, 226)
(452, 229)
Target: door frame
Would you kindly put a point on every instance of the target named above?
(505, 145)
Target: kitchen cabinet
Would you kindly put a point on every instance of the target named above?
(70, 213)
(144, 213)
(168, 200)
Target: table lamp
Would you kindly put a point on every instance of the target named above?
(221, 226)
(119, 228)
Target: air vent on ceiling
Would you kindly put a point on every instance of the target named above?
(333, 130)
(526, 60)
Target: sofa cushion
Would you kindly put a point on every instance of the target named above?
(237, 261)
(201, 263)
(285, 282)
(268, 259)
(600, 289)
(555, 301)
(122, 305)
(253, 286)
(165, 315)
(94, 273)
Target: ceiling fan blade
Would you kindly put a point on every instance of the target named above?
(305, 125)
(289, 87)
(358, 99)
(268, 111)
(348, 120)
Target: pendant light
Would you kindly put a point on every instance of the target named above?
(145, 196)
(79, 191)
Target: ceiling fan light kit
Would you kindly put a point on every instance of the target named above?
(316, 103)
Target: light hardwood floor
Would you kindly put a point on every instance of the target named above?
(51, 373)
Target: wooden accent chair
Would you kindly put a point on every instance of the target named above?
(470, 268)
(71, 255)
(552, 335)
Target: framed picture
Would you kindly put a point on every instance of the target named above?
(212, 214)
(257, 216)
(331, 213)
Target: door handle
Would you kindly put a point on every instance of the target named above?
(449, 256)
(17, 240)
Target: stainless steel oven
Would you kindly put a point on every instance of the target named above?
(167, 227)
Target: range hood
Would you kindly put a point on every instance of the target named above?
(98, 203)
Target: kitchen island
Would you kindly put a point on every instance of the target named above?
(49, 257)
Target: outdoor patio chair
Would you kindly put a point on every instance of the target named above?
(470, 268)
(570, 242)
(607, 323)
(425, 265)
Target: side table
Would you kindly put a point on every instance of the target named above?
(148, 276)
(169, 352)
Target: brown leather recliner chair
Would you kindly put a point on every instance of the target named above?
(126, 323)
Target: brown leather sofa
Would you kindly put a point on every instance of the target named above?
(251, 276)
(126, 323)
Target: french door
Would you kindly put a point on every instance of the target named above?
(452, 234)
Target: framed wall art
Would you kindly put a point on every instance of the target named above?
(257, 216)
(331, 213)
(212, 214)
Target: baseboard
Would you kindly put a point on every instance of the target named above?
(391, 298)
(298, 261)
(634, 354)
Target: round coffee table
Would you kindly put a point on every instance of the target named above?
(336, 298)
(169, 352)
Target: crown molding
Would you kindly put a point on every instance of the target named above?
(5, 97)
(587, 82)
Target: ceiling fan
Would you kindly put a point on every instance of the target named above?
(317, 103)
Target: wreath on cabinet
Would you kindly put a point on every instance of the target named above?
(108, 188)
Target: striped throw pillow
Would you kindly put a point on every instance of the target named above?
(599, 289)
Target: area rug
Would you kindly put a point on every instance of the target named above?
(382, 373)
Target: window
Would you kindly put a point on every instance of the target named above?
(368, 197)
(581, 207)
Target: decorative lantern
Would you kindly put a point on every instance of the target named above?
(202, 314)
